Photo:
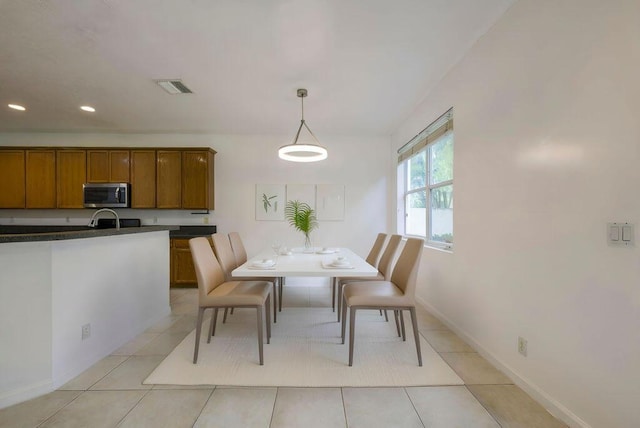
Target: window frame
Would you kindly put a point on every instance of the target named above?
(424, 145)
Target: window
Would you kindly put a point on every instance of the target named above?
(425, 184)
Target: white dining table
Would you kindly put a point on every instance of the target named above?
(306, 263)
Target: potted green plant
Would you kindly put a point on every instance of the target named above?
(303, 218)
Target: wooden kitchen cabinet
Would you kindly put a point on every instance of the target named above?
(182, 270)
(197, 179)
(143, 178)
(108, 166)
(185, 179)
(12, 179)
(52, 177)
(169, 179)
(40, 167)
(71, 174)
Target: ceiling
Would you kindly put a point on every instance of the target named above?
(367, 64)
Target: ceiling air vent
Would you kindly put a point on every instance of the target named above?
(174, 86)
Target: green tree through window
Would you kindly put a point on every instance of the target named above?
(417, 179)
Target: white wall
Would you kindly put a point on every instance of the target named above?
(112, 283)
(25, 327)
(242, 162)
(49, 290)
(547, 142)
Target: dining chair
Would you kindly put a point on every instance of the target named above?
(228, 262)
(215, 292)
(238, 248)
(372, 259)
(241, 257)
(398, 294)
(384, 269)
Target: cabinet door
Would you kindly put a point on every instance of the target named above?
(97, 166)
(41, 178)
(169, 179)
(119, 166)
(197, 179)
(143, 178)
(12, 179)
(182, 269)
(71, 174)
(107, 166)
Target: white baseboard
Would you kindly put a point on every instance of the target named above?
(545, 400)
(26, 393)
(109, 345)
(37, 389)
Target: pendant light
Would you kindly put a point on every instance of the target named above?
(302, 152)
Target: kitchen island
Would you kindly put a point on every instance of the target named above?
(70, 298)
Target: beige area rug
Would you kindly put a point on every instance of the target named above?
(305, 351)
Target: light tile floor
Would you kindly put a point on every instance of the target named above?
(111, 392)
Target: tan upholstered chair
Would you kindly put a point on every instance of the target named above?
(384, 269)
(241, 257)
(238, 248)
(228, 262)
(214, 292)
(372, 259)
(397, 294)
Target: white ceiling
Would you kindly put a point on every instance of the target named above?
(366, 63)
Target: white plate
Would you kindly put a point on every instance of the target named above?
(263, 264)
(341, 263)
(332, 266)
(327, 251)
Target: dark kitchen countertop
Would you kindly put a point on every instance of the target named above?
(30, 233)
(57, 233)
(192, 231)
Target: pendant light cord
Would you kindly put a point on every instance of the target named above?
(303, 123)
(295, 140)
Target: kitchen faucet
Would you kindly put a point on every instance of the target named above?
(93, 222)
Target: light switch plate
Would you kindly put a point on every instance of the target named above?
(621, 234)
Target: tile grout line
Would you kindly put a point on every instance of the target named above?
(404, 388)
(134, 406)
(60, 409)
(195, 421)
(96, 382)
(483, 406)
(273, 409)
(82, 391)
(344, 408)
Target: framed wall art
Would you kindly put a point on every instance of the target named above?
(270, 202)
(330, 201)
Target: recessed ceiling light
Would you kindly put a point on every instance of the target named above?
(16, 107)
(87, 108)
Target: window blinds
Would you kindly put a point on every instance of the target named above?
(428, 135)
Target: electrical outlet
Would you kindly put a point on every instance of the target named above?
(86, 331)
(205, 220)
(155, 220)
(522, 346)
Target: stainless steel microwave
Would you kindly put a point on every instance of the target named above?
(106, 195)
